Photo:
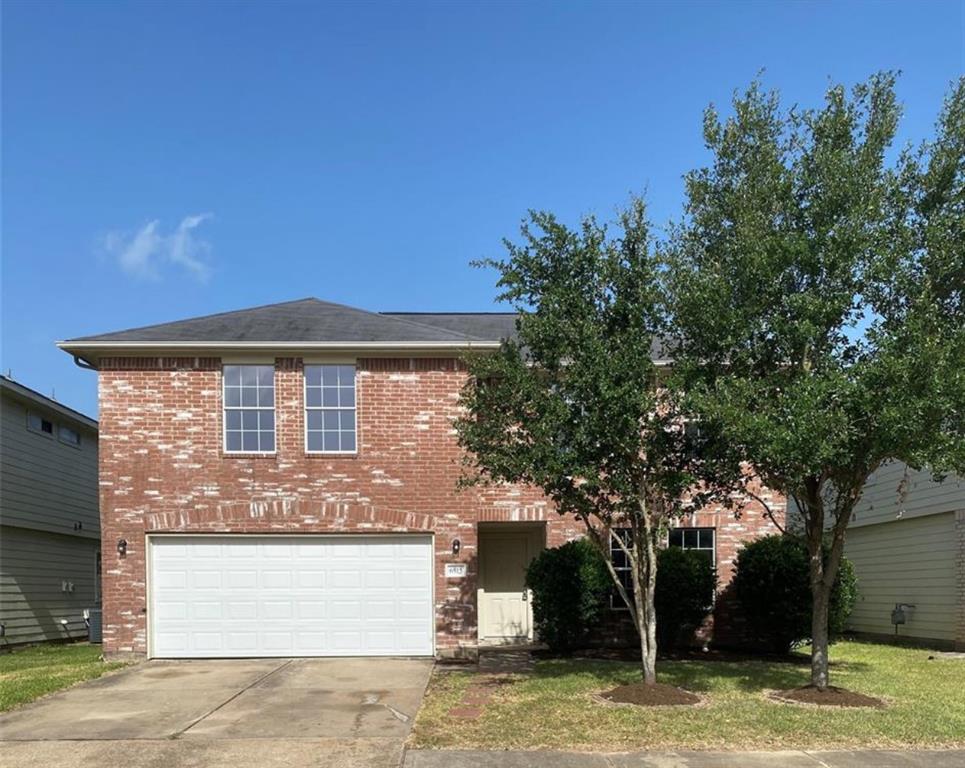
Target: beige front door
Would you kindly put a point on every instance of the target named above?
(505, 612)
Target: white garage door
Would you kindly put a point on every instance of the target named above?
(221, 596)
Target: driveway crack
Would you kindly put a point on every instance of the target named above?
(252, 684)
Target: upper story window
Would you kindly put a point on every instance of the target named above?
(330, 409)
(700, 539)
(69, 436)
(249, 408)
(37, 423)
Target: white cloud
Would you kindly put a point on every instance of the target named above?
(147, 253)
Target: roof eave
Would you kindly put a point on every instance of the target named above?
(96, 349)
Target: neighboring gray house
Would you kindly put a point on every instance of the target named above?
(907, 543)
(49, 521)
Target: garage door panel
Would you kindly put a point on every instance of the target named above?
(302, 596)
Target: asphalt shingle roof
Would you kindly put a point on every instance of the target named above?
(305, 320)
(312, 321)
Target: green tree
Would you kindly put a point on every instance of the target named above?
(572, 406)
(817, 295)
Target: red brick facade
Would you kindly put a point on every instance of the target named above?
(163, 469)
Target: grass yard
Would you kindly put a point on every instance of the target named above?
(30, 673)
(552, 706)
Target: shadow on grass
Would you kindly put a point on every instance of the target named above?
(699, 676)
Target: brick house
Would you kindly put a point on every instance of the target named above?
(283, 481)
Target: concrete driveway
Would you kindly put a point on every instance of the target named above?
(264, 712)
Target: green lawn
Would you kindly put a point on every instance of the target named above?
(552, 707)
(30, 673)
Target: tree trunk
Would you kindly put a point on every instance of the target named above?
(821, 599)
(643, 597)
(645, 584)
(823, 574)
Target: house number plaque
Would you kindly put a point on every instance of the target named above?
(455, 570)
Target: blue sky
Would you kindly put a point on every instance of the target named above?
(166, 160)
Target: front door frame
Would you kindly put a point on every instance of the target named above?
(489, 534)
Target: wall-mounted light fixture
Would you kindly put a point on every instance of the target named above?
(456, 546)
(122, 547)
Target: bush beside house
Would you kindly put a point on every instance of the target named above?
(771, 581)
(572, 588)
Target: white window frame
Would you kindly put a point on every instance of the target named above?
(225, 408)
(616, 600)
(306, 408)
(701, 528)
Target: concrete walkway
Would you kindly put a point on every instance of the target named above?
(446, 758)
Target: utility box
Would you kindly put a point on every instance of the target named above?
(94, 619)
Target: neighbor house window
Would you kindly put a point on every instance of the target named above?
(330, 408)
(249, 408)
(37, 423)
(69, 436)
(699, 539)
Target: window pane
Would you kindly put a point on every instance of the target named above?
(690, 539)
(266, 376)
(707, 538)
(249, 375)
(249, 420)
(232, 375)
(232, 397)
(314, 419)
(249, 397)
(346, 397)
(313, 375)
(249, 441)
(313, 397)
(329, 397)
(233, 419)
(346, 375)
(330, 419)
(267, 441)
(348, 441)
(330, 441)
(330, 375)
(233, 441)
(314, 441)
(347, 420)
(266, 421)
(676, 537)
(266, 397)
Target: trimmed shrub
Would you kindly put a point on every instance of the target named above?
(684, 595)
(570, 587)
(772, 585)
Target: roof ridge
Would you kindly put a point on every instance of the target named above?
(415, 312)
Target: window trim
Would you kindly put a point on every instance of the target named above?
(617, 602)
(49, 435)
(225, 409)
(712, 549)
(60, 436)
(305, 408)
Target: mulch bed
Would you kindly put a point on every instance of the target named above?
(829, 697)
(657, 695)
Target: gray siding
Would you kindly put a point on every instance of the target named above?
(882, 502)
(908, 561)
(44, 483)
(33, 566)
